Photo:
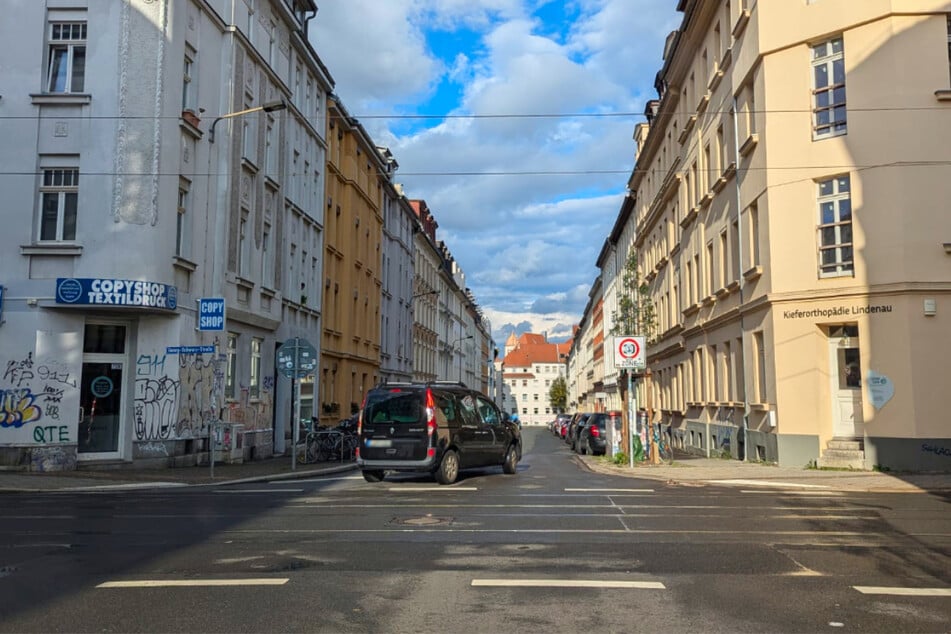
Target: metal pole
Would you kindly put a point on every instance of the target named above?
(632, 416)
(295, 434)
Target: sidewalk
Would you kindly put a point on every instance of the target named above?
(124, 478)
(699, 471)
(685, 471)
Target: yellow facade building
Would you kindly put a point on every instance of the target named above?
(350, 337)
(792, 208)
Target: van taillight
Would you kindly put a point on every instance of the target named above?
(430, 413)
(431, 452)
(595, 432)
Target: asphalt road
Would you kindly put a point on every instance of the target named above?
(553, 548)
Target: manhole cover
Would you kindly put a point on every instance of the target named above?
(425, 520)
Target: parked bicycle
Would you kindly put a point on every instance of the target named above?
(323, 444)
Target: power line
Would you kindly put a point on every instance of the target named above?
(587, 172)
(532, 115)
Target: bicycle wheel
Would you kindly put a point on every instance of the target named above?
(312, 448)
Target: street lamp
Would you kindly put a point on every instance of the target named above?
(460, 340)
(218, 236)
(269, 106)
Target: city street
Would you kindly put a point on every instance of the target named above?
(553, 548)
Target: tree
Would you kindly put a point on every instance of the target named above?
(635, 314)
(558, 394)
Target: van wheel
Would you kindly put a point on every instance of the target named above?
(448, 469)
(373, 476)
(510, 464)
(582, 450)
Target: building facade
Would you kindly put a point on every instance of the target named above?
(350, 343)
(154, 178)
(530, 366)
(397, 270)
(790, 183)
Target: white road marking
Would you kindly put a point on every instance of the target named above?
(191, 583)
(830, 494)
(771, 483)
(609, 490)
(259, 490)
(428, 489)
(308, 480)
(566, 583)
(906, 592)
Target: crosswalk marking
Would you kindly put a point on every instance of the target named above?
(566, 583)
(907, 592)
(188, 583)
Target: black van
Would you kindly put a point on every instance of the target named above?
(437, 428)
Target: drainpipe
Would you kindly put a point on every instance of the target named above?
(741, 280)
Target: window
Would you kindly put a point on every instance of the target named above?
(59, 199)
(266, 257)
(754, 235)
(230, 368)
(67, 62)
(828, 67)
(254, 388)
(243, 245)
(181, 221)
(188, 91)
(760, 351)
(835, 227)
(270, 148)
(949, 43)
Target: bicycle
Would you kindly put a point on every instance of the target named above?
(323, 444)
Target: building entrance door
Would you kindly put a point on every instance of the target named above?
(846, 371)
(102, 399)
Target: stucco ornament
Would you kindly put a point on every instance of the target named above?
(880, 389)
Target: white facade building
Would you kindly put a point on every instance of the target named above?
(127, 213)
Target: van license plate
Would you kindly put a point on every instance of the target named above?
(379, 443)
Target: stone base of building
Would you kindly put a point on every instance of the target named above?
(153, 454)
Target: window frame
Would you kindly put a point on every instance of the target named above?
(231, 366)
(70, 46)
(254, 382)
(828, 59)
(843, 267)
(63, 192)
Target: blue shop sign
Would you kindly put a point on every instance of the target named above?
(103, 291)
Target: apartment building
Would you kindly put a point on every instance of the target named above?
(529, 367)
(156, 153)
(791, 187)
(397, 271)
(353, 242)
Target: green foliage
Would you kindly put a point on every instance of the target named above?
(635, 314)
(620, 458)
(558, 394)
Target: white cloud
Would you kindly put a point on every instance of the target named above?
(528, 243)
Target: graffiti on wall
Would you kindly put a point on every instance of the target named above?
(155, 400)
(31, 392)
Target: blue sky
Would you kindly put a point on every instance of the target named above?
(526, 154)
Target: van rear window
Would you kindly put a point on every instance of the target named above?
(394, 407)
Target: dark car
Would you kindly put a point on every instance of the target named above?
(592, 435)
(437, 428)
(572, 435)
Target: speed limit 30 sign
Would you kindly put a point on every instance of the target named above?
(630, 352)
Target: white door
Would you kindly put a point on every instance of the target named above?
(846, 370)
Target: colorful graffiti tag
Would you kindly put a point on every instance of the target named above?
(18, 407)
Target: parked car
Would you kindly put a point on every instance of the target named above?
(438, 428)
(592, 435)
(556, 424)
(572, 435)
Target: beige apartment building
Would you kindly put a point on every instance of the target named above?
(792, 195)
